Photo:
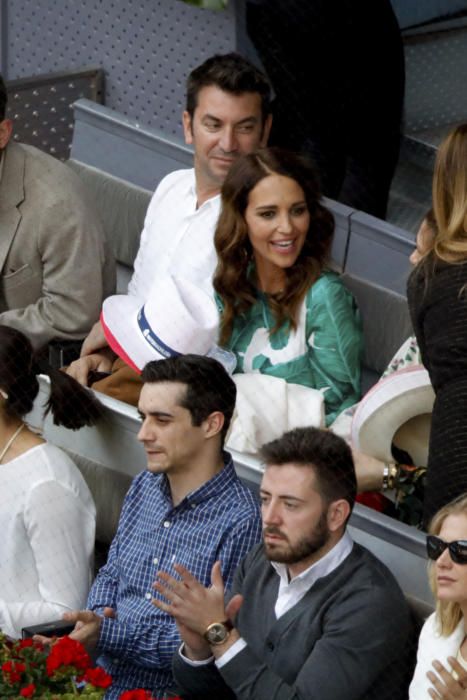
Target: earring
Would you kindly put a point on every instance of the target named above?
(3, 394)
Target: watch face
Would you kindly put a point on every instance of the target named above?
(217, 633)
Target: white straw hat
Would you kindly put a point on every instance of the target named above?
(397, 409)
(178, 318)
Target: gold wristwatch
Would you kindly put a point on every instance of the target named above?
(217, 632)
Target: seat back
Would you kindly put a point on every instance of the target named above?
(386, 325)
(379, 252)
(122, 208)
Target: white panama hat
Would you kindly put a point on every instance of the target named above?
(397, 409)
(178, 318)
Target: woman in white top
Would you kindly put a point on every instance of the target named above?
(47, 514)
(441, 670)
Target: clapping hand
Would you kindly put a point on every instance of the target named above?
(195, 607)
(189, 602)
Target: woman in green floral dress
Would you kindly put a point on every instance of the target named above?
(282, 312)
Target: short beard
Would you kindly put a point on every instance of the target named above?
(305, 547)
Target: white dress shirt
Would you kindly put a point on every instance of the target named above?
(178, 236)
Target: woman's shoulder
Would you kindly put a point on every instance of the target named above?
(328, 278)
(437, 294)
(431, 637)
(434, 273)
(50, 464)
(328, 287)
(431, 645)
(56, 454)
(430, 627)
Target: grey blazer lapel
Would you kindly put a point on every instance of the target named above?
(11, 195)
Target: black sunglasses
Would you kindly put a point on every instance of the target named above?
(458, 549)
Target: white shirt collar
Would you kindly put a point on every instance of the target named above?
(320, 568)
(193, 194)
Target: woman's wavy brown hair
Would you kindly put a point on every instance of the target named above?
(450, 197)
(232, 279)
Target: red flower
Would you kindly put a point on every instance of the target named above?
(139, 694)
(23, 643)
(28, 691)
(67, 652)
(13, 670)
(97, 677)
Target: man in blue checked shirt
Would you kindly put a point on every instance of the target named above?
(189, 507)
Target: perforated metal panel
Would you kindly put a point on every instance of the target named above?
(436, 80)
(42, 107)
(146, 47)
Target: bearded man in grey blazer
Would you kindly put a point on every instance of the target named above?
(317, 616)
(55, 267)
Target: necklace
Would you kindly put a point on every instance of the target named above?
(11, 441)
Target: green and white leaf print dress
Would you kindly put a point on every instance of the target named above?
(323, 353)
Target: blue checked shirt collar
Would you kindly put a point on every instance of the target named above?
(212, 488)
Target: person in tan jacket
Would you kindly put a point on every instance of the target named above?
(55, 268)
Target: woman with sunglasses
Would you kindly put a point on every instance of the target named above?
(441, 671)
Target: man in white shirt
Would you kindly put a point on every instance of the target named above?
(317, 615)
(227, 115)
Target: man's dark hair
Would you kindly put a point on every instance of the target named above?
(231, 73)
(3, 99)
(209, 387)
(328, 455)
